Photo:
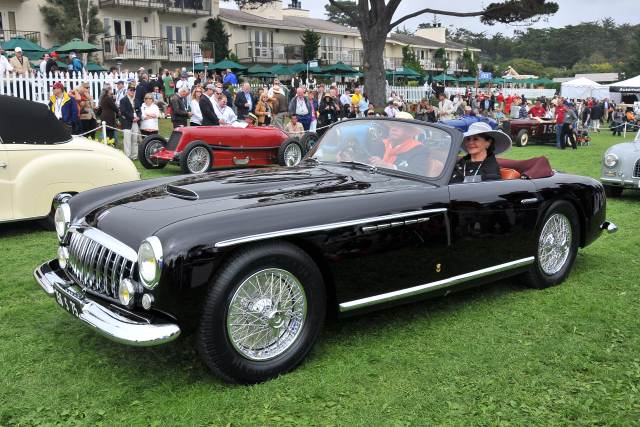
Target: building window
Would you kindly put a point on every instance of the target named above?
(107, 27)
(187, 34)
(178, 34)
(170, 33)
(139, 28)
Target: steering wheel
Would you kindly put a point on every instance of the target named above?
(352, 147)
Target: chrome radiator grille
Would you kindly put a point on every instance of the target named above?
(100, 262)
(636, 169)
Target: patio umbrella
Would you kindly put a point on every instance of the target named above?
(94, 67)
(430, 79)
(53, 49)
(497, 81)
(545, 80)
(530, 80)
(78, 46)
(298, 67)
(198, 67)
(227, 65)
(281, 70)
(339, 68)
(466, 79)
(446, 78)
(258, 71)
(26, 45)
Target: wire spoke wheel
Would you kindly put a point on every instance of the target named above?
(198, 160)
(266, 314)
(555, 244)
(154, 147)
(292, 154)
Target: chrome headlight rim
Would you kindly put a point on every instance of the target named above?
(62, 218)
(150, 274)
(611, 160)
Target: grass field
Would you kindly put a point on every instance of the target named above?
(500, 354)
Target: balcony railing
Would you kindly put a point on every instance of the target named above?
(155, 49)
(391, 63)
(351, 57)
(270, 53)
(197, 7)
(6, 35)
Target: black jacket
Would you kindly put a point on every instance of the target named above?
(414, 161)
(126, 113)
(487, 170)
(179, 114)
(209, 117)
(142, 89)
(241, 99)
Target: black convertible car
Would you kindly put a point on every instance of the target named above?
(251, 260)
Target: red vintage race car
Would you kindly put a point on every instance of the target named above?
(523, 131)
(197, 149)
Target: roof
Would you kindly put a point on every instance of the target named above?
(632, 82)
(290, 22)
(18, 116)
(582, 82)
(421, 41)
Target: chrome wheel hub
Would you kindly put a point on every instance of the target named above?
(198, 160)
(292, 155)
(554, 244)
(153, 148)
(266, 314)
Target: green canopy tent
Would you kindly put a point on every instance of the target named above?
(227, 65)
(94, 67)
(281, 70)
(545, 80)
(497, 81)
(78, 46)
(466, 79)
(24, 44)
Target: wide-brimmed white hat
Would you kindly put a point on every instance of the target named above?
(501, 141)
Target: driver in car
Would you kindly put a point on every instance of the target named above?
(400, 151)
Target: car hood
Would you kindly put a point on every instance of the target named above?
(136, 216)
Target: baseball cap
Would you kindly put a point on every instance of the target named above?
(120, 82)
(72, 54)
(54, 54)
(18, 49)
(210, 86)
(58, 85)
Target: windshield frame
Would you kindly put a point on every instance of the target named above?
(452, 157)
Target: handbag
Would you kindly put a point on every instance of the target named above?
(172, 84)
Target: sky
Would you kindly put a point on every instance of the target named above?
(570, 12)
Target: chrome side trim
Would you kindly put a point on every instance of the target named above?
(324, 227)
(416, 290)
(102, 320)
(527, 201)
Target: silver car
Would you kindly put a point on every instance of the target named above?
(621, 167)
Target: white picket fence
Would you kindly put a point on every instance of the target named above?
(37, 87)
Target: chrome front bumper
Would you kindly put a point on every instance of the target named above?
(100, 318)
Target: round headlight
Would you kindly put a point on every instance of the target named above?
(62, 219)
(150, 262)
(610, 160)
(126, 293)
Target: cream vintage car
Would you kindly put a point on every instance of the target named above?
(41, 165)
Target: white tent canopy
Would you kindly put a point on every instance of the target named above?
(631, 85)
(582, 88)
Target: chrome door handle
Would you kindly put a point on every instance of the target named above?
(4, 165)
(528, 201)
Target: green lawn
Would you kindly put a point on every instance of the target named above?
(500, 354)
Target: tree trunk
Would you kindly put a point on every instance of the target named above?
(373, 41)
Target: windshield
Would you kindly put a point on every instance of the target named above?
(403, 145)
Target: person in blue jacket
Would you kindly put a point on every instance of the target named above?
(63, 106)
(230, 78)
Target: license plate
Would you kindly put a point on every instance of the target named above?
(67, 300)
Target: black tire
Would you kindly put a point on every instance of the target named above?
(523, 138)
(152, 144)
(553, 262)
(611, 191)
(307, 140)
(197, 157)
(48, 223)
(233, 299)
(290, 152)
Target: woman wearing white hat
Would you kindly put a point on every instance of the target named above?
(482, 144)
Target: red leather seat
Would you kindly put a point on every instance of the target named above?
(509, 173)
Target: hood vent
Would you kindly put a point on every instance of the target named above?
(181, 193)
